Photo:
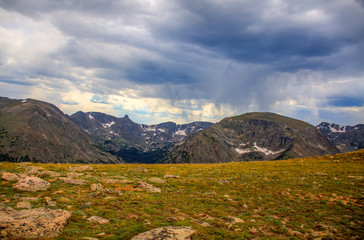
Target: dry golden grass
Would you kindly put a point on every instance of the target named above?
(304, 198)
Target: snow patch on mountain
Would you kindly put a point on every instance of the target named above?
(90, 116)
(180, 132)
(107, 125)
(256, 148)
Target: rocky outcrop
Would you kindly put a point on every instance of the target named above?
(252, 136)
(167, 233)
(31, 184)
(148, 187)
(32, 223)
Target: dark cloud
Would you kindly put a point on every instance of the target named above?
(251, 55)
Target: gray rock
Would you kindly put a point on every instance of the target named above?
(33, 223)
(148, 187)
(166, 233)
(31, 184)
(98, 220)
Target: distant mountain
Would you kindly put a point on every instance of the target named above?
(132, 141)
(32, 130)
(252, 136)
(345, 138)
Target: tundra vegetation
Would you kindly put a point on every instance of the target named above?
(305, 198)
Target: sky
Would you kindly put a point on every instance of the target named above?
(187, 60)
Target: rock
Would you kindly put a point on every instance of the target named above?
(26, 205)
(32, 223)
(74, 175)
(31, 184)
(253, 231)
(10, 176)
(157, 180)
(81, 168)
(98, 219)
(73, 181)
(148, 187)
(170, 176)
(50, 202)
(97, 187)
(166, 233)
(29, 199)
(234, 221)
(49, 174)
(142, 169)
(111, 180)
(321, 174)
(33, 170)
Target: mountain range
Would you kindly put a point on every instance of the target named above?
(32, 130)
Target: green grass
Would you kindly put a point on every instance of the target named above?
(289, 199)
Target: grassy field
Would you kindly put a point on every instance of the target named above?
(309, 198)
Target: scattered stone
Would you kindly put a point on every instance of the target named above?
(294, 233)
(49, 174)
(12, 176)
(157, 180)
(74, 175)
(223, 181)
(101, 234)
(81, 168)
(253, 231)
(89, 238)
(31, 184)
(29, 199)
(148, 187)
(59, 192)
(204, 224)
(87, 204)
(170, 176)
(142, 169)
(234, 221)
(321, 174)
(33, 170)
(32, 223)
(167, 233)
(98, 219)
(73, 181)
(357, 177)
(97, 187)
(110, 180)
(50, 202)
(26, 205)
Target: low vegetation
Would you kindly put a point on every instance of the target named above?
(305, 198)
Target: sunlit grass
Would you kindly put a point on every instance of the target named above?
(290, 199)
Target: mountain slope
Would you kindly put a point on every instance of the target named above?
(132, 141)
(345, 138)
(39, 131)
(252, 136)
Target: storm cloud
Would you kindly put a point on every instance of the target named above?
(187, 60)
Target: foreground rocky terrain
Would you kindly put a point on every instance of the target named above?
(306, 198)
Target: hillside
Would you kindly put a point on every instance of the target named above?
(131, 141)
(252, 136)
(345, 138)
(32, 130)
(306, 198)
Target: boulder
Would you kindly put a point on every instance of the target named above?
(97, 187)
(170, 176)
(166, 233)
(98, 220)
(12, 176)
(148, 187)
(31, 184)
(32, 223)
(26, 205)
(73, 181)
